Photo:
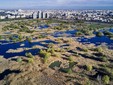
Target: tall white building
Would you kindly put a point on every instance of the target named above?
(2, 17)
(43, 15)
(46, 15)
(34, 15)
(40, 15)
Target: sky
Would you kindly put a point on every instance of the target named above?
(56, 4)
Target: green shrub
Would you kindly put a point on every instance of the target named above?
(0, 37)
(69, 71)
(29, 55)
(85, 49)
(29, 39)
(51, 50)
(99, 49)
(89, 67)
(109, 34)
(58, 50)
(45, 55)
(30, 60)
(50, 45)
(106, 79)
(108, 71)
(78, 33)
(72, 64)
(42, 52)
(87, 81)
(103, 58)
(56, 55)
(99, 34)
(41, 36)
(19, 59)
(20, 37)
(62, 50)
(76, 54)
(70, 58)
(14, 38)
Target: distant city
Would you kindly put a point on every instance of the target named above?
(85, 15)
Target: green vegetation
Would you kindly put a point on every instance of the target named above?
(89, 67)
(20, 37)
(46, 55)
(30, 60)
(89, 28)
(78, 33)
(29, 39)
(84, 49)
(19, 59)
(29, 55)
(51, 50)
(70, 58)
(15, 38)
(103, 58)
(0, 37)
(72, 64)
(41, 36)
(108, 34)
(99, 34)
(76, 54)
(106, 79)
(98, 49)
(57, 28)
(10, 27)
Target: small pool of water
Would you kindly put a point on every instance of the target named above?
(108, 29)
(68, 33)
(111, 30)
(43, 27)
(7, 32)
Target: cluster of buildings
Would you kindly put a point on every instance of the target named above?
(40, 15)
(15, 14)
(86, 15)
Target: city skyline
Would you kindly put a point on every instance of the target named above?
(56, 4)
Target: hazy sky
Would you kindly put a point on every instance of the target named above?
(59, 4)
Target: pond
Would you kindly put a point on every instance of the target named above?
(93, 40)
(96, 40)
(107, 29)
(68, 33)
(111, 30)
(43, 27)
(7, 46)
(7, 32)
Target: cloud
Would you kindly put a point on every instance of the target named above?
(54, 3)
(75, 3)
